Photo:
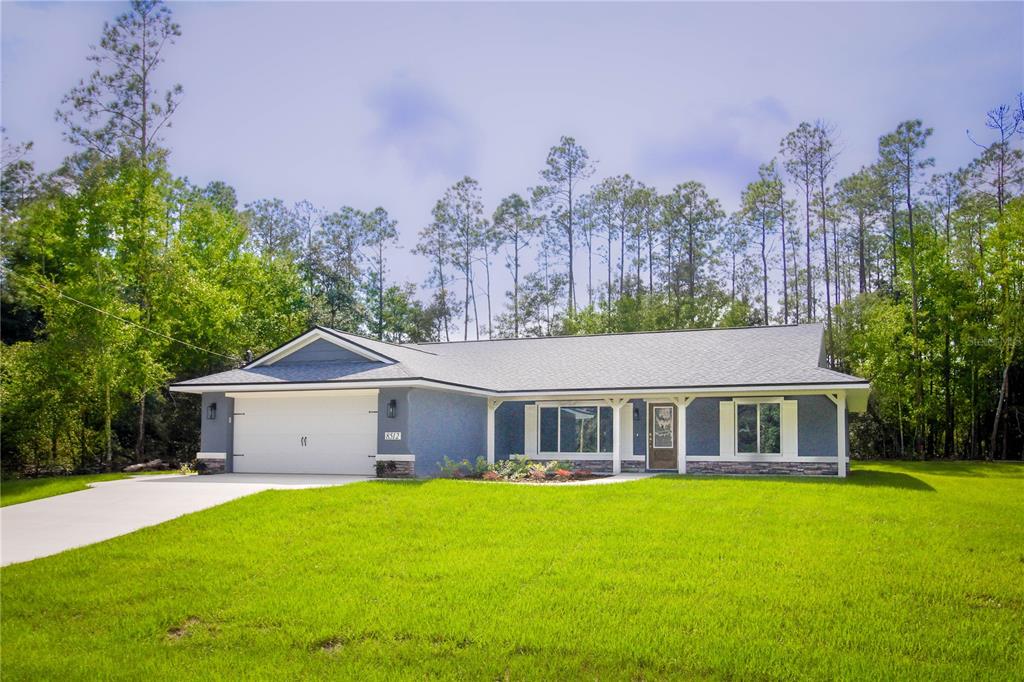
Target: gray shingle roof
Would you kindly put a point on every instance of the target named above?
(757, 356)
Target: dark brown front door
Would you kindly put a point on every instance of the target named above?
(661, 436)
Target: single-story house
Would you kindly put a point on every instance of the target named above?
(750, 400)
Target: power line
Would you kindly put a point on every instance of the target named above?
(133, 323)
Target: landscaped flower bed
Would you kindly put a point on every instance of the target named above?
(517, 469)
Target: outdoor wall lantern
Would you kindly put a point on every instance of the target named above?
(211, 411)
(392, 408)
(636, 411)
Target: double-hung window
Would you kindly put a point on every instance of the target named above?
(759, 427)
(575, 429)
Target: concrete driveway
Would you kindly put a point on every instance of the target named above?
(43, 527)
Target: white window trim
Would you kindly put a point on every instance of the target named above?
(557, 454)
(736, 427)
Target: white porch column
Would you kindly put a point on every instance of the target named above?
(841, 453)
(492, 406)
(681, 404)
(617, 404)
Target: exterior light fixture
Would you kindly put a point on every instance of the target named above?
(392, 408)
(211, 411)
(636, 411)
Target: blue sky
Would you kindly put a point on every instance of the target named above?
(388, 104)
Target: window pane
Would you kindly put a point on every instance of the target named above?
(549, 429)
(746, 428)
(662, 427)
(770, 428)
(606, 429)
(579, 429)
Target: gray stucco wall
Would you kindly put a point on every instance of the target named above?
(320, 351)
(217, 435)
(816, 433)
(702, 438)
(400, 422)
(639, 428)
(816, 427)
(443, 424)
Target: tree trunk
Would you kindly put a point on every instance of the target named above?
(828, 283)
(807, 228)
(691, 280)
(515, 288)
(622, 257)
(465, 317)
(915, 355)
(140, 439)
(862, 274)
(650, 261)
(590, 272)
(608, 303)
(785, 266)
(487, 277)
(947, 375)
(107, 430)
(1004, 386)
(572, 276)
(764, 268)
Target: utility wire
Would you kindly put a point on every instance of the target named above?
(131, 322)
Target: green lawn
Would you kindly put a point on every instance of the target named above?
(900, 571)
(16, 491)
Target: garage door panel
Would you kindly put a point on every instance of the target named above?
(306, 434)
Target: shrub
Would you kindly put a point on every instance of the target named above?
(491, 476)
(384, 468)
(563, 474)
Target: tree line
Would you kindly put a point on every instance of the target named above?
(119, 277)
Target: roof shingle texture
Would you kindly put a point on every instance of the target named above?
(681, 359)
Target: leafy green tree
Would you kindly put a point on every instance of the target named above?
(119, 109)
(1005, 266)
(514, 227)
(861, 195)
(901, 151)
(759, 209)
(800, 148)
(379, 233)
(610, 210)
(694, 220)
(568, 164)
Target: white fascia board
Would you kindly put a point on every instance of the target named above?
(710, 391)
(326, 386)
(315, 335)
(560, 396)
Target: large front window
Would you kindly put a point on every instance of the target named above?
(575, 429)
(758, 428)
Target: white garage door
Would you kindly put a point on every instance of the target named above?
(306, 433)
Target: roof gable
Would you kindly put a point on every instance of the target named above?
(320, 345)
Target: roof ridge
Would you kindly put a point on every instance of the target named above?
(633, 333)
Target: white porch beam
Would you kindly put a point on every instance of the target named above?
(492, 406)
(841, 453)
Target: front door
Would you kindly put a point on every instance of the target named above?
(661, 436)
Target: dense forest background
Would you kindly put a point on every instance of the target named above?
(119, 278)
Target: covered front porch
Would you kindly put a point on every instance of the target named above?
(740, 432)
